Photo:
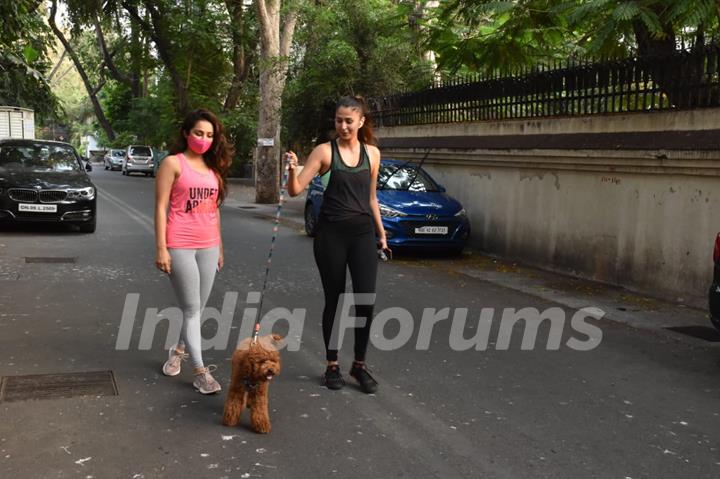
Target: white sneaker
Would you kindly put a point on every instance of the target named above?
(205, 383)
(174, 362)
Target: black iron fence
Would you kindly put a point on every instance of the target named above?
(685, 80)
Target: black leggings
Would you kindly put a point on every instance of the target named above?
(339, 244)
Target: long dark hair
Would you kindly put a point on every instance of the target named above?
(365, 134)
(219, 156)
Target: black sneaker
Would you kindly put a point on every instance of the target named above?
(362, 375)
(332, 379)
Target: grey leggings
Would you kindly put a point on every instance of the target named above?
(192, 274)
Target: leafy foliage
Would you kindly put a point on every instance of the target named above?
(347, 47)
(166, 55)
(500, 36)
(482, 35)
(25, 42)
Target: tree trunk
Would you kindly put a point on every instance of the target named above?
(421, 9)
(56, 67)
(267, 158)
(92, 92)
(240, 56)
(275, 48)
(137, 59)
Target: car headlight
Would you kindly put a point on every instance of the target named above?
(462, 213)
(390, 213)
(81, 193)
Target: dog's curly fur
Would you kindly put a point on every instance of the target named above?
(253, 366)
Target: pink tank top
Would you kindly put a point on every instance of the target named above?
(193, 217)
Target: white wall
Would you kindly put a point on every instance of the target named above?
(644, 219)
(89, 143)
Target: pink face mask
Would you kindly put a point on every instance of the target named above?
(198, 145)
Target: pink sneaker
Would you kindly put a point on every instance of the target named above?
(205, 383)
(174, 361)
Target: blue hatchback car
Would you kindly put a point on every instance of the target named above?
(416, 211)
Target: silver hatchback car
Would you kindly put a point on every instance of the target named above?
(138, 158)
(114, 159)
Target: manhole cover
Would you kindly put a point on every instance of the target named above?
(247, 207)
(53, 386)
(44, 259)
(702, 332)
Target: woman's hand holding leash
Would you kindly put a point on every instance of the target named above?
(292, 160)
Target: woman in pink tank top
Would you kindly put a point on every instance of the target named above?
(189, 189)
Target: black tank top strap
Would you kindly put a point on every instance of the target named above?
(365, 156)
(335, 157)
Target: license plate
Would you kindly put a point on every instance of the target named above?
(35, 208)
(431, 230)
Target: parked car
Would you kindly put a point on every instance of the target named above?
(45, 181)
(714, 294)
(138, 158)
(113, 159)
(416, 211)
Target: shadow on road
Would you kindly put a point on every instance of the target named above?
(20, 229)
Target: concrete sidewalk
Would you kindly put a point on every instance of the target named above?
(241, 195)
(634, 309)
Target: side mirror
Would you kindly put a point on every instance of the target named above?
(441, 188)
(88, 167)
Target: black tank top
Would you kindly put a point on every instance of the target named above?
(347, 194)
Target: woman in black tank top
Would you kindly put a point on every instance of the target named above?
(346, 234)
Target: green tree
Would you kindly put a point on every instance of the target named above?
(67, 86)
(25, 44)
(150, 61)
(190, 39)
(86, 74)
(349, 47)
(489, 35)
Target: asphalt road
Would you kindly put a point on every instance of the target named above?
(641, 404)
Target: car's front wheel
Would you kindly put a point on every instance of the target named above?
(310, 221)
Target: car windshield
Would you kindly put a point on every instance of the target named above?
(118, 153)
(140, 151)
(38, 157)
(399, 176)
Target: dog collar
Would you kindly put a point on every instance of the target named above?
(248, 384)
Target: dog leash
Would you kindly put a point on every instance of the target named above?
(276, 228)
